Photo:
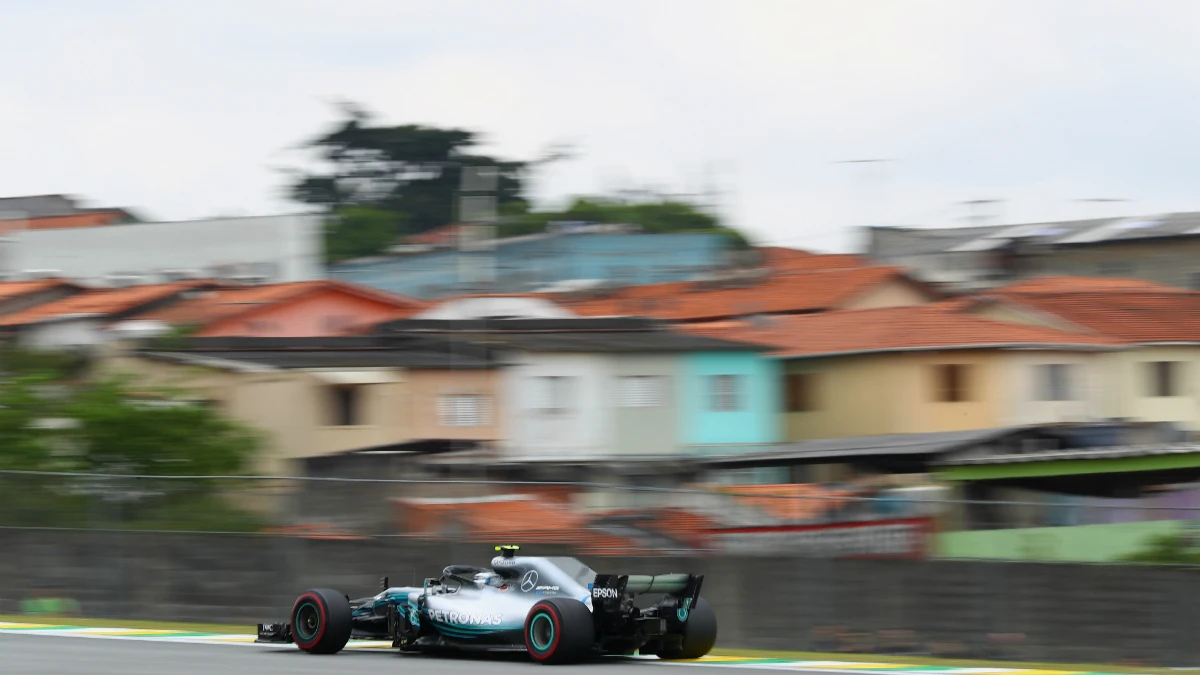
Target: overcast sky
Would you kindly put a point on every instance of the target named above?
(185, 109)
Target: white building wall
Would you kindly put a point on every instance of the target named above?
(1133, 397)
(291, 247)
(82, 332)
(479, 308)
(580, 432)
(1088, 383)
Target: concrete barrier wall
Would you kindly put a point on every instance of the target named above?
(1066, 612)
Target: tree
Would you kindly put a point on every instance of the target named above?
(1167, 549)
(359, 231)
(412, 172)
(657, 217)
(53, 423)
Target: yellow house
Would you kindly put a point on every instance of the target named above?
(925, 369)
(1157, 379)
(312, 401)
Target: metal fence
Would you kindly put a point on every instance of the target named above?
(608, 518)
(793, 571)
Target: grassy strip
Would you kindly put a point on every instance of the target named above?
(226, 629)
(943, 663)
(222, 629)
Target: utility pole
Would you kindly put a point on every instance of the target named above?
(476, 209)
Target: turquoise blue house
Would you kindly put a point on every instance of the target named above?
(730, 402)
(528, 263)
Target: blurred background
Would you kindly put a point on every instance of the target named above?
(885, 315)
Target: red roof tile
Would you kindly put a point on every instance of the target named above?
(1057, 285)
(101, 302)
(91, 219)
(813, 262)
(519, 519)
(792, 503)
(783, 291)
(923, 327)
(222, 303)
(16, 289)
(1128, 309)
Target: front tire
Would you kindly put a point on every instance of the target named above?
(699, 634)
(559, 630)
(321, 621)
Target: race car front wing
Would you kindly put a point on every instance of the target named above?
(276, 633)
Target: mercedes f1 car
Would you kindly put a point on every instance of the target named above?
(558, 610)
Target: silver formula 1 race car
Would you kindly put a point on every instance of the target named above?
(558, 610)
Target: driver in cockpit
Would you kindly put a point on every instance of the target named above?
(488, 579)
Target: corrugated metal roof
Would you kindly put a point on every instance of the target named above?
(867, 446)
(294, 360)
(1109, 452)
(900, 242)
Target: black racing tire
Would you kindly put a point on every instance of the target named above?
(699, 634)
(321, 621)
(559, 630)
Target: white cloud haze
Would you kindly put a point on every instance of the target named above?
(184, 109)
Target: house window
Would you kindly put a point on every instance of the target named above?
(1164, 378)
(799, 392)
(345, 404)
(724, 393)
(1054, 382)
(640, 391)
(463, 410)
(952, 384)
(553, 393)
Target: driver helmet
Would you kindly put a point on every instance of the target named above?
(486, 578)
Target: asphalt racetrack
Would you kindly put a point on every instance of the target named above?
(47, 654)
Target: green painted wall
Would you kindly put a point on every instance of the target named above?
(1080, 543)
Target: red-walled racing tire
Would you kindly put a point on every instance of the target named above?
(321, 621)
(559, 630)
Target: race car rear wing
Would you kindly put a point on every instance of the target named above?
(612, 592)
(608, 588)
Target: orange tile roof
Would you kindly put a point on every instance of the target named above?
(783, 291)
(521, 520)
(923, 327)
(1127, 309)
(101, 302)
(1055, 285)
(814, 262)
(16, 289)
(222, 303)
(790, 503)
(91, 219)
(777, 254)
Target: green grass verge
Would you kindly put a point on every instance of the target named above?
(227, 629)
(223, 629)
(947, 663)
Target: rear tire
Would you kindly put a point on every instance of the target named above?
(321, 621)
(699, 634)
(559, 630)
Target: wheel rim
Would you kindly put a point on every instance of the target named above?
(308, 621)
(541, 632)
